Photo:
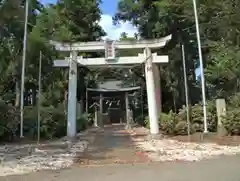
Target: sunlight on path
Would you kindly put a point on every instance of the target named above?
(173, 150)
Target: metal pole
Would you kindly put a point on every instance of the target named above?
(142, 101)
(86, 98)
(39, 96)
(23, 68)
(201, 67)
(142, 104)
(186, 89)
(127, 109)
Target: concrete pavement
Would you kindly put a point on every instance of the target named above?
(219, 169)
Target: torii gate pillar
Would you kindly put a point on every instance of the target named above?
(151, 92)
(157, 82)
(72, 96)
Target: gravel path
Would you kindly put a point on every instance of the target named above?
(219, 169)
(168, 149)
(114, 145)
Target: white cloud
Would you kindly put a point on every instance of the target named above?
(114, 32)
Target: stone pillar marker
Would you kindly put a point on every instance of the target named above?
(96, 117)
(81, 106)
(221, 111)
(79, 113)
(100, 123)
(127, 110)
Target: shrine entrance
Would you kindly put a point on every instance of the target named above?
(149, 59)
(114, 102)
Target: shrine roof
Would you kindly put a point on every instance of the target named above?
(114, 86)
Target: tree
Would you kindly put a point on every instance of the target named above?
(65, 21)
(157, 18)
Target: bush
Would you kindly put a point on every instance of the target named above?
(232, 121)
(9, 122)
(141, 120)
(147, 122)
(176, 124)
(167, 122)
(170, 124)
(197, 117)
(181, 128)
(234, 101)
(82, 123)
(53, 122)
(90, 118)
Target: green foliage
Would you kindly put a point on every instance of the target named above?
(9, 123)
(234, 101)
(219, 31)
(170, 124)
(232, 121)
(141, 120)
(223, 76)
(147, 122)
(75, 20)
(167, 122)
(176, 123)
(156, 19)
(67, 20)
(181, 128)
(82, 124)
(84, 121)
(53, 122)
(197, 117)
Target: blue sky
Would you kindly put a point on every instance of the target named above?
(198, 71)
(109, 8)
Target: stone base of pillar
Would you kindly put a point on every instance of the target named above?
(154, 136)
(128, 126)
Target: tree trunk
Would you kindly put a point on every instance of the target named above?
(65, 101)
(17, 92)
(174, 103)
(34, 96)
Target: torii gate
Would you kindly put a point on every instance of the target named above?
(149, 59)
